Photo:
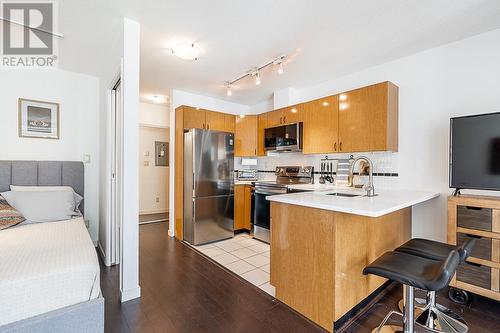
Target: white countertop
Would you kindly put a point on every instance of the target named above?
(386, 201)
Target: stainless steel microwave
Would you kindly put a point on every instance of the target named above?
(284, 138)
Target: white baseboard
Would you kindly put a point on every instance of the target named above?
(160, 211)
(130, 294)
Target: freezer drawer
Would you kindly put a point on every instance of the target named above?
(211, 219)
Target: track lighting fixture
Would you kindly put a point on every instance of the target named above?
(257, 77)
(229, 91)
(255, 73)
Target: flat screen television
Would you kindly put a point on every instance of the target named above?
(475, 152)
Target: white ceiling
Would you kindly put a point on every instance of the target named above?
(323, 38)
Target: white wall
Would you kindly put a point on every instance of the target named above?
(78, 96)
(457, 79)
(153, 180)
(129, 264)
(154, 115)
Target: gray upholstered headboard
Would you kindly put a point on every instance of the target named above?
(42, 173)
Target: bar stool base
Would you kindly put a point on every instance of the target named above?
(388, 329)
(443, 320)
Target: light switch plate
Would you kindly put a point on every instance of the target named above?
(86, 158)
(146, 163)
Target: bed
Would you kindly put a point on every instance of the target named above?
(49, 272)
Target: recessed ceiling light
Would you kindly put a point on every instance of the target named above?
(158, 99)
(187, 51)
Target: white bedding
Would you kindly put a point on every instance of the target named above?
(46, 266)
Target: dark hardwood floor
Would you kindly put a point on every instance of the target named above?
(182, 291)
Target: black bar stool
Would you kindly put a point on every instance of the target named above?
(436, 317)
(413, 272)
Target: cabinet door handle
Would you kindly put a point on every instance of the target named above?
(281, 120)
(203, 125)
(340, 146)
(208, 126)
(255, 151)
(284, 120)
(335, 146)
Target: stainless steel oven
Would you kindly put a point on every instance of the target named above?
(286, 176)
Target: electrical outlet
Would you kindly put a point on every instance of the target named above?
(87, 223)
(157, 200)
(146, 163)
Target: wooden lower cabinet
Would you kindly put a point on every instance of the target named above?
(317, 257)
(242, 207)
(479, 217)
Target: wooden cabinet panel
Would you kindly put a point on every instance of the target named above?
(246, 136)
(247, 213)
(193, 118)
(214, 120)
(477, 218)
(239, 207)
(321, 125)
(261, 126)
(368, 119)
(293, 114)
(274, 118)
(229, 122)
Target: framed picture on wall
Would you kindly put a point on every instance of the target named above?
(38, 119)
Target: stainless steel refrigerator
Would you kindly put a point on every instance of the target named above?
(208, 186)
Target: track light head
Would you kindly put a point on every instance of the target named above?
(229, 91)
(257, 77)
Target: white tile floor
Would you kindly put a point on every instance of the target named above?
(245, 256)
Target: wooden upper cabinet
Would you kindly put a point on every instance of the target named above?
(246, 136)
(214, 121)
(368, 119)
(229, 122)
(274, 118)
(293, 114)
(193, 117)
(261, 126)
(321, 125)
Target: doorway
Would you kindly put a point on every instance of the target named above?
(116, 172)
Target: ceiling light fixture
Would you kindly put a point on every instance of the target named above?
(158, 99)
(186, 51)
(255, 73)
(229, 91)
(257, 77)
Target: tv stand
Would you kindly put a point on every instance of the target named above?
(456, 193)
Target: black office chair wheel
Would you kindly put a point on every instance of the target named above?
(458, 296)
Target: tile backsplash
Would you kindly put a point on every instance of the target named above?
(383, 163)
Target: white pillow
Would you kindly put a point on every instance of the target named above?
(43, 206)
(18, 188)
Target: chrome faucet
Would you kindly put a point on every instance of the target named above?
(370, 190)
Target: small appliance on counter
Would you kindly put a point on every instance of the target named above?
(285, 176)
(247, 175)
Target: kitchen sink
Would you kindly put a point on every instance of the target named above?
(348, 195)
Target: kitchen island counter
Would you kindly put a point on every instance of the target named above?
(385, 202)
(321, 243)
